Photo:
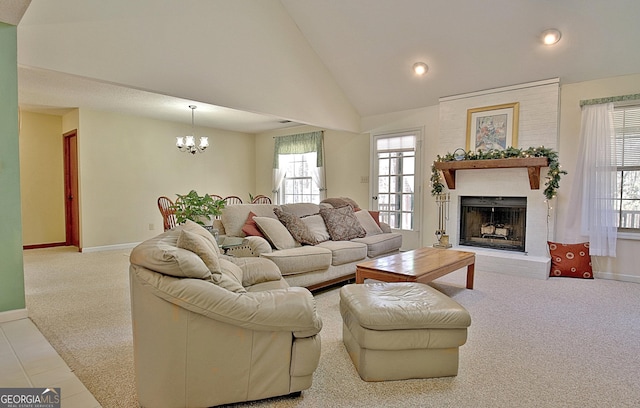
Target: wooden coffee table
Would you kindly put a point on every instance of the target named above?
(420, 265)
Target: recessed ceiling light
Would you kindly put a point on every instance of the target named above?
(551, 36)
(420, 68)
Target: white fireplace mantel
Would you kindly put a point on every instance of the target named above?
(532, 164)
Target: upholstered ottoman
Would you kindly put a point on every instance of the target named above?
(397, 331)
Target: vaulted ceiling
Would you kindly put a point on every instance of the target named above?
(249, 64)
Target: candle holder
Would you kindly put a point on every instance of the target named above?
(442, 201)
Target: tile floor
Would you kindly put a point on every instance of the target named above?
(28, 360)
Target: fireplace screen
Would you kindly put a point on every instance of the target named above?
(493, 222)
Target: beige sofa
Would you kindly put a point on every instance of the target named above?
(312, 266)
(209, 329)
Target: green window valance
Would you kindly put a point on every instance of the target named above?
(611, 99)
(299, 144)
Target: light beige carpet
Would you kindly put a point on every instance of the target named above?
(532, 343)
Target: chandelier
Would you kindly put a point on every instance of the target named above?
(188, 143)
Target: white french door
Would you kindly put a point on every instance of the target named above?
(396, 183)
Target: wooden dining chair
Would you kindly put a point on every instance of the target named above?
(261, 199)
(168, 213)
(232, 200)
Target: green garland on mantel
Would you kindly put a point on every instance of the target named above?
(553, 176)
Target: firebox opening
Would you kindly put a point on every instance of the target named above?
(493, 222)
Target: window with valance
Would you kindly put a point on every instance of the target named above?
(298, 168)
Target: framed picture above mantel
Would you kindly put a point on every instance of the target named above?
(492, 127)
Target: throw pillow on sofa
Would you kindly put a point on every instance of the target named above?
(296, 227)
(223, 273)
(316, 226)
(368, 223)
(276, 233)
(341, 201)
(162, 255)
(200, 230)
(230, 277)
(255, 270)
(342, 223)
(376, 216)
(250, 228)
(201, 247)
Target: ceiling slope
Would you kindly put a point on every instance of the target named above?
(469, 45)
(244, 55)
(12, 11)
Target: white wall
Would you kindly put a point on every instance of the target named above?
(41, 179)
(126, 162)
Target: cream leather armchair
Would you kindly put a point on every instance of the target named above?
(200, 344)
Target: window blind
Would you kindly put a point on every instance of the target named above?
(626, 122)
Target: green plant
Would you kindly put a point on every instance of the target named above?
(553, 175)
(195, 207)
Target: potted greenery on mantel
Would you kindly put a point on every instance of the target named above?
(197, 208)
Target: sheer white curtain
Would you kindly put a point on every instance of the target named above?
(278, 176)
(593, 214)
(318, 175)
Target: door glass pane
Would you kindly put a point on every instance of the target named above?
(396, 168)
(383, 185)
(396, 143)
(407, 202)
(407, 184)
(393, 184)
(383, 166)
(408, 165)
(407, 221)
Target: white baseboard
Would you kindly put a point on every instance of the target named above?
(617, 276)
(110, 247)
(12, 315)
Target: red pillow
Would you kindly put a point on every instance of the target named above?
(250, 227)
(570, 260)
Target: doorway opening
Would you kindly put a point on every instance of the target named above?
(72, 209)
